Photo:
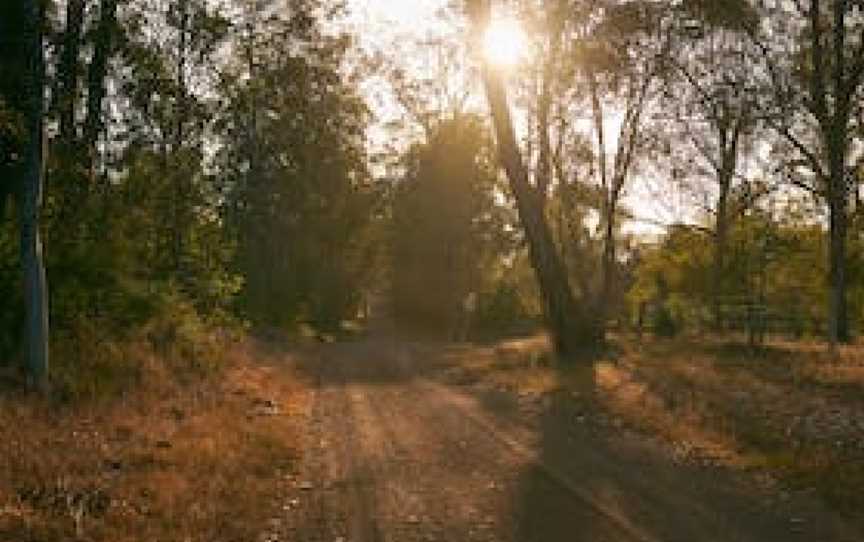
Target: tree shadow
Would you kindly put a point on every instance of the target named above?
(580, 480)
(591, 483)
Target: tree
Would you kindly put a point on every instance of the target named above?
(297, 196)
(625, 58)
(68, 67)
(572, 327)
(773, 252)
(22, 26)
(75, 146)
(711, 95)
(446, 230)
(812, 54)
(103, 49)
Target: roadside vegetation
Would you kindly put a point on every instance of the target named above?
(787, 415)
(170, 447)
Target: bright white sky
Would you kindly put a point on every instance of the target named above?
(389, 17)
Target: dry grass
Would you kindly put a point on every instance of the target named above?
(202, 460)
(792, 410)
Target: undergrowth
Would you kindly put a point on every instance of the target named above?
(155, 433)
(791, 409)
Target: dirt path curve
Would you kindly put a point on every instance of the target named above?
(393, 455)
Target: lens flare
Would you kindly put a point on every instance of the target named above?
(505, 43)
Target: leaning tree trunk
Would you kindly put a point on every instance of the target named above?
(29, 203)
(572, 329)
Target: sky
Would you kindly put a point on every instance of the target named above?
(401, 13)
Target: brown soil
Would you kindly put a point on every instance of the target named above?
(395, 453)
(389, 439)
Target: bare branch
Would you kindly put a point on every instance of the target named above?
(809, 156)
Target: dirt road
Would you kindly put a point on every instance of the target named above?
(394, 454)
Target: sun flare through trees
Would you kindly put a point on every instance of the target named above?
(505, 44)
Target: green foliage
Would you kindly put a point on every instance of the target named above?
(178, 218)
(445, 229)
(174, 342)
(299, 199)
(503, 311)
(774, 271)
(228, 176)
(680, 264)
(663, 323)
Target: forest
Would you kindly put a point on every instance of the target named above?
(649, 212)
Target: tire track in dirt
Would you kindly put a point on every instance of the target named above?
(396, 457)
(518, 443)
(396, 460)
(334, 488)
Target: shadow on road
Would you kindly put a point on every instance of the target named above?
(636, 487)
(567, 480)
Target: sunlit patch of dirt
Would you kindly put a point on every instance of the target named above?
(837, 374)
(767, 410)
(680, 421)
(521, 365)
(794, 412)
(200, 461)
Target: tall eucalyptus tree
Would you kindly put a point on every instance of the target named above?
(572, 323)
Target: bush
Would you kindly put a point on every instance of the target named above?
(663, 323)
(93, 359)
(89, 364)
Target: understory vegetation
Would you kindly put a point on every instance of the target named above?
(177, 458)
(786, 415)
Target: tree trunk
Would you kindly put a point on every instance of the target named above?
(721, 233)
(68, 192)
(837, 138)
(838, 324)
(608, 257)
(178, 228)
(29, 204)
(572, 329)
(729, 133)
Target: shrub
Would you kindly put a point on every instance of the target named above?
(663, 322)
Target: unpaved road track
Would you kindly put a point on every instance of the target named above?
(394, 455)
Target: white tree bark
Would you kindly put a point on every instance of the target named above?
(30, 203)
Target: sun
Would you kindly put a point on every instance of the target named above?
(505, 43)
